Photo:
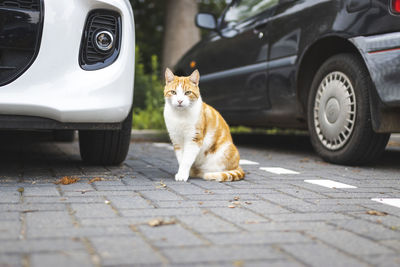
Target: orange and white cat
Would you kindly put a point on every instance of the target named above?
(200, 136)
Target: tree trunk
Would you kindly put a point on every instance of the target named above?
(180, 31)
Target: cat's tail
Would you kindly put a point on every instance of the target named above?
(225, 176)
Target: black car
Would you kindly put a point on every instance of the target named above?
(332, 66)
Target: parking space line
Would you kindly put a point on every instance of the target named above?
(395, 202)
(163, 145)
(329, 184)
(278, 170)
(247, 162)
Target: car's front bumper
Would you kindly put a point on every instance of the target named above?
(56, 87)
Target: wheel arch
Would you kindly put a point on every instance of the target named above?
(312, 59)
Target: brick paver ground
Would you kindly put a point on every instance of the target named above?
(266, 220)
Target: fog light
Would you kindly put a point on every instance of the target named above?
(104, 41)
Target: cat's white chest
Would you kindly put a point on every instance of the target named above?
(181, 126)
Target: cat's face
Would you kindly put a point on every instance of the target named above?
(181, 92)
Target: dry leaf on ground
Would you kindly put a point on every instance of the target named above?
(67, 180)
(160, 222)
(376, 213)
(95, 179)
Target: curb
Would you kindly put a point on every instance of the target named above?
(150, 136)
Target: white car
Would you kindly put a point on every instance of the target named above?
(69, 65)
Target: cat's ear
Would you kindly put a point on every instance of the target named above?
(195, 77)
(169, 76)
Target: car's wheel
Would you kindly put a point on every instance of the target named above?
(106, 147)
(339, 116)
(64, 135)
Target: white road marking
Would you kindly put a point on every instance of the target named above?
(247, 162)
(329, 184)
(395, 202)
(163, 145)
(278, 170)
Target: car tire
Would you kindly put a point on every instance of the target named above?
(64, 135)
(339, 115)
(106, 147)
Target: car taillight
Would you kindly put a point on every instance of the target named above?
(396, 6)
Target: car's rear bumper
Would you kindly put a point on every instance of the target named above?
(55, 86)
(382, 56)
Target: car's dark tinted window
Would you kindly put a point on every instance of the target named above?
(246, 9)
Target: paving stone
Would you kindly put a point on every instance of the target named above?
(160, 194)
(238, 215)
(41, 245)
(288, 226)
(231, 253)
(129, 202)
(171, 236)
(257, 238)
(323, 216)
(93, 210)
(392, 260)
(207, 223)
(80, 199)
(351, 243)
(320, 255)
(160, 212)
(45, 219)
(71, 231)
(9, 230)
(194, 204)
(9, 216)
(61, 259)
(10, 197)
(371, 230)
(41, 191)
(7, 260)
(29, 207)
(125, 251)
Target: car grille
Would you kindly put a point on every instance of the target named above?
(100, 20)
(23, 4)
(20, 34)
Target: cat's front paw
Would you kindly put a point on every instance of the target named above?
(181, 177)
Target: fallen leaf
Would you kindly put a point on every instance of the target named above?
(231, 206)
(236, 202)
(107, 202)
(200, 202)
(21, 190)
(160, 222)
(376, 213)
(248, 202)
(238, 263)
(304, 160)
(67, 180)
(95, 179)
(236, 198)
(162, 185)
(251, 222)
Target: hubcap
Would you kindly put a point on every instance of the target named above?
(335, 110)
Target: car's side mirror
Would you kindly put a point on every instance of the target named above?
(206, 21)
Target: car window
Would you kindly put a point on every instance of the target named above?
(245, 9)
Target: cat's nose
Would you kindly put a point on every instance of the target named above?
(180, 102)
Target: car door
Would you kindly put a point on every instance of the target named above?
(235, 59)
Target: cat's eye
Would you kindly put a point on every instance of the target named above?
(188, 92)
(173, 92)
